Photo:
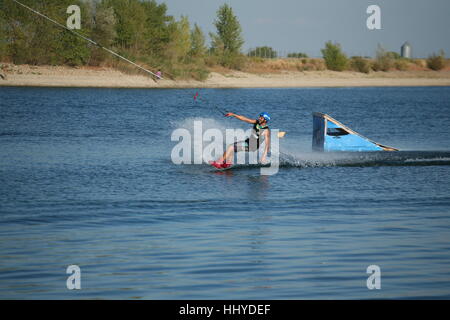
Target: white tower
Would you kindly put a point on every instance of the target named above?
(406, 50)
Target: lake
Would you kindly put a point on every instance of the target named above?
(86, 179)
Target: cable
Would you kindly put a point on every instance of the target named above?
(196, 96)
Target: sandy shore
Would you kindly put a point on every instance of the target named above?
(48, 76)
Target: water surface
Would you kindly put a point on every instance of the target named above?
(86, 178)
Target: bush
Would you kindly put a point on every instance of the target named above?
(420, 63)
(232, 61)
(311, 65)
(384, 60)
(401, 64)
(394, 55)
(360, 64)
(297, 55)
(263, 52)
(436, 61)
(187, 72)
(256, 59)
(335, 59)
(318, 64)
(211, 60)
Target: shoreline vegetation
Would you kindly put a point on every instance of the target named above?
(36, 52)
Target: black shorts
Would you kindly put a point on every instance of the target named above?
(245, 146)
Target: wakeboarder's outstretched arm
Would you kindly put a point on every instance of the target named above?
(242, 118)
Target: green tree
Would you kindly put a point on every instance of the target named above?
(143, 31)
(103, 32)
(334, 58)
(157, 33)
(228, 41)
(22, 31)
(140, 30)
(263, 52)
(130, 24)
(3, 38)
(198, 47)
(73, 50)
(180, 43)
(32, 39)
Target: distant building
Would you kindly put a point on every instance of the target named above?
(406, 50)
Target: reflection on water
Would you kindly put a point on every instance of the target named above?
(258, 186)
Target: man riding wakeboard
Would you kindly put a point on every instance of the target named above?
(259, 133)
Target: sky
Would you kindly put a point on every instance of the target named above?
(305, 25)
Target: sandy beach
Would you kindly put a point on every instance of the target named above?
(52, 76)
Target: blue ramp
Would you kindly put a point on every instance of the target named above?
(331, 135)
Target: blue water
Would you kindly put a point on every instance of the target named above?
(86, 178)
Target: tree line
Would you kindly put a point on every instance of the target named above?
(139, 30)
(337, 60)
(143, 31)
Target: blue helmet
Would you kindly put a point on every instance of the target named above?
(265, 115)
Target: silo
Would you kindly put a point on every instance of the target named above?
(406, 50)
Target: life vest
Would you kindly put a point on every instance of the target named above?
(257, 131)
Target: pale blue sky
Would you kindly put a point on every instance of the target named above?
(305, 25)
